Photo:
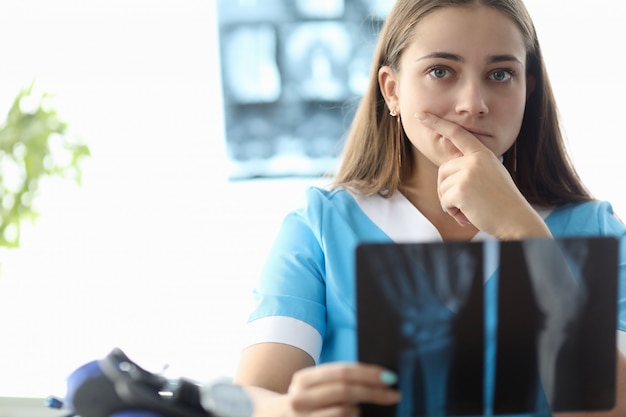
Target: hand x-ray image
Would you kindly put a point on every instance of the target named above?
(423, 310)
(420, 313)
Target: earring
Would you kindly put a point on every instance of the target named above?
(398, 136)
(393, 113)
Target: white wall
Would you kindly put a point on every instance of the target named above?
(582, 43)
(156, 251)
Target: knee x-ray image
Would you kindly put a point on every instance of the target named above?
(544, 340)
(557, 312)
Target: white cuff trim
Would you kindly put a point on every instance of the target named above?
(621, 341)
(286, 330)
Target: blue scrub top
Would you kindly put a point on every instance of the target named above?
(306, 294)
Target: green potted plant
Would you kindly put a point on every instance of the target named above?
(34, 144)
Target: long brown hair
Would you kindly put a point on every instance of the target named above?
(377, 156)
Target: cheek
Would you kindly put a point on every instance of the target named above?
(508, 109)
(417, 95)
(514, 116)
(428, 143)
(412, 126)
(424, 100)
(419, 134)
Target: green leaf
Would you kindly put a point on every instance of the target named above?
(25, 139)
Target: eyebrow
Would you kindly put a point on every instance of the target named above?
(458, 58)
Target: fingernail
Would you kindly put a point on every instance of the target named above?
(444, 209)
(420, 116)
(388, 377)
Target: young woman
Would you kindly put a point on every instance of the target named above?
(456, 138)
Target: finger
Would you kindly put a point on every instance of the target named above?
(455, 212)
(338, 411)
(449, 176)
(459, 216)
(348, 373)
(338, 393)
(447, 191)
(460, 137)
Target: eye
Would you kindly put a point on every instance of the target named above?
(502, 76)
(439, 73)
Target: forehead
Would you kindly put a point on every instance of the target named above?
(469, 31)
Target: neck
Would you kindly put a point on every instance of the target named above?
(421, 187)
(421, 190)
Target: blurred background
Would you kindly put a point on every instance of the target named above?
(292, 73)
(205, 121)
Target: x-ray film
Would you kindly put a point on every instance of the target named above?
(493, 328)
(557, 320)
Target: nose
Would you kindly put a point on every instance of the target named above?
(472, 99)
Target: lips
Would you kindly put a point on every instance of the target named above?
(477, 132)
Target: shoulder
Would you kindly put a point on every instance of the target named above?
(591, 217)
(319, 195)
(320, 206)
(323, 202)
(587, 210)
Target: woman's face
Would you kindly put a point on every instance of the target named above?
(466, 65)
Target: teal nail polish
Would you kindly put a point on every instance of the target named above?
(388, 378)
